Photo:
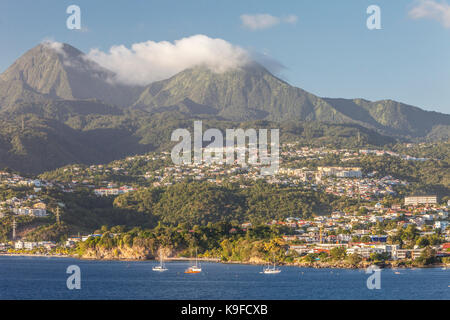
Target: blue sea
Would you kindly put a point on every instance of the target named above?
(45, 278)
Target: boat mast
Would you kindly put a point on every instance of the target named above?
(196, 257)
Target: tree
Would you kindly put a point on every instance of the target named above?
(354, 259)
(363, 211)
(338, 253)
(422, 242)
(428, 256)
(310, 258)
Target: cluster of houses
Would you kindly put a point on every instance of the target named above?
(307, 175)
(113, 191)
(366, 189)
(292, 150)
(12, 179)
(365, 250)
(390, 153)
(339, 180)
(30, 205)
(355, 231)
(44, 245)
(28, 245)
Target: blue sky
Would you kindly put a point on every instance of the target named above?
(328, 51)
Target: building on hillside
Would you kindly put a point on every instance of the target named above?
(382, 238)
(366, 249)
(417, 200)
(18, 245)
(30, 212)
(339, 172)
(407, 253)
(442, 225)
(113, 191)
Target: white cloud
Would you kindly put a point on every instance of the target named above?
(292, 19)
(265, 20)
(431, 9)
(151, 61)
(54, 45)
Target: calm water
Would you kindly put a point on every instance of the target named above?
(45, 278)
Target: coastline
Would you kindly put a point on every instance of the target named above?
(315, 265)
(36, 255)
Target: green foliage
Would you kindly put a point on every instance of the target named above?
(427, 257)
(203, 202)
(354, 259)
(218, 240)
(338, 253)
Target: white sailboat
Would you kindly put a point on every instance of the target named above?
(194, 268)
(161, 267)
(271, 270)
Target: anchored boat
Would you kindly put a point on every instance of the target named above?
(161, 267)
(194, 268)
(271, 270)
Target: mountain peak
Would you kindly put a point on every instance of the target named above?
(51, 50)
(55, 70)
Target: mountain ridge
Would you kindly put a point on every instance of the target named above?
(70, 104)
(55, 71)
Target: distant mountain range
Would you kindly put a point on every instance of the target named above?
(60, 88)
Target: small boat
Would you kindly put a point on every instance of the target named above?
(161, 267)
(271, 270)
(194, 268)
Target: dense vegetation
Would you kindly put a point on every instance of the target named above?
(203, 202)
(223, 240)
(189, 203)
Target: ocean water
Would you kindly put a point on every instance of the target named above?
(45, 278)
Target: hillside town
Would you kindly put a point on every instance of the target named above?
(358, 231)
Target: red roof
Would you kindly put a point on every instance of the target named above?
(321, 250)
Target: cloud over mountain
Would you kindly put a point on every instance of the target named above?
(150, 61)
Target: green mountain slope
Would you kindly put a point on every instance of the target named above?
(253, 93)
(248, 93)
(46, 72)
